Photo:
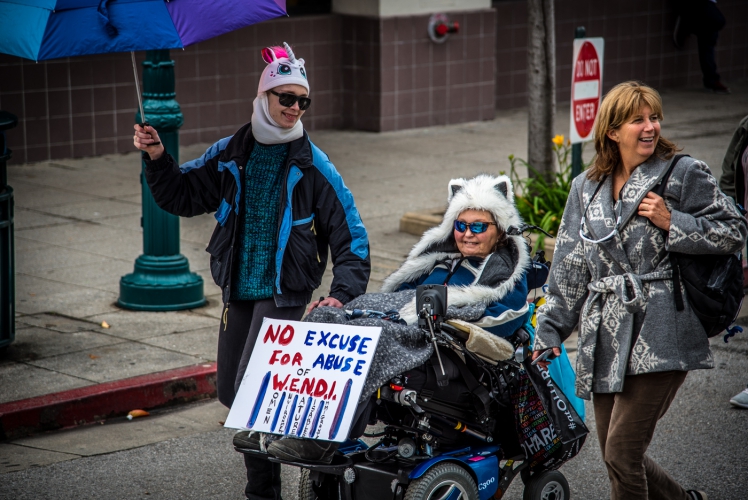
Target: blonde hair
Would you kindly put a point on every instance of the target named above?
(621, 103)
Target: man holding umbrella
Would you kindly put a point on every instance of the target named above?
(280, 204)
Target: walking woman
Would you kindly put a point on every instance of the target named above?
(612, 277)
(280, 204)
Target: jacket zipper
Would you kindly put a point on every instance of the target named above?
(279, 266)
(233, 235)
(314, 231)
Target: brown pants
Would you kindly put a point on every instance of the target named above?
(625, 424)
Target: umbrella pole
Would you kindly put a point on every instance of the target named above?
(143, 121)
(137, 88)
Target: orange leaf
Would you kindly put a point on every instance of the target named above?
(137, 413)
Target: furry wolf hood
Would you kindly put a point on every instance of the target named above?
(500, 272)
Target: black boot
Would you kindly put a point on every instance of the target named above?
(247, 439)
(303, 450)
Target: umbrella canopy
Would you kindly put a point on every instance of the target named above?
(50, 29)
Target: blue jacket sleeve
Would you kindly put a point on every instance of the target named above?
(189, 190)
(413, 284)
(340, 225)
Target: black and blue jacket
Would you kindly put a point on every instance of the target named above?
(317, 212)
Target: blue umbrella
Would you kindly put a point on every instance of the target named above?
(51, 29)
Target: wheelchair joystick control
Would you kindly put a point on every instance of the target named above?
(431, 304)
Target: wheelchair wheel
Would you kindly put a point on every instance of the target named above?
(445, 481)
(549, 485)
(305, 486)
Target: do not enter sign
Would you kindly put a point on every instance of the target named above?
(586, 87)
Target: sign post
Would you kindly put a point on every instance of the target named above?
(304, 379)
(586, 91)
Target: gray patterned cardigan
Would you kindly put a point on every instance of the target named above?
(613, 288)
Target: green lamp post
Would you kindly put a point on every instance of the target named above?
(7, 244)
(162, 280)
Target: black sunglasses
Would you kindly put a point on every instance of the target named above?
(475, 227)
(289, 100)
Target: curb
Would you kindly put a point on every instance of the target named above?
(101, 401)
(417, 223)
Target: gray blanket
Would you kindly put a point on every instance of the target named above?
(401, 347)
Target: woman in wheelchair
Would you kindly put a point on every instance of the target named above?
(479, 253)
(471, 253)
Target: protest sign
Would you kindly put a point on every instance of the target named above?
(304, 379)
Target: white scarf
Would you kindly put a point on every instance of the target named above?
(266, 130)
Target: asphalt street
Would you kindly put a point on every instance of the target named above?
(184, 452)
(701, 442)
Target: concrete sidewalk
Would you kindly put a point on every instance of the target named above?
(77, 230)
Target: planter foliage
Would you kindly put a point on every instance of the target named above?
(541, 200)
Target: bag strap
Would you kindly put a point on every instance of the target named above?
(475, 387)
(442, 380)
(659, 190)
(660, 187)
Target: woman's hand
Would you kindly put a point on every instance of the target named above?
(544, 363)
(653, 208)
(328, 302)
(144, 140)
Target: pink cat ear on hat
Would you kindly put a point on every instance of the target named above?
(268, 55)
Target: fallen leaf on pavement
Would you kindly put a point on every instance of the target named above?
(104, 324)
(136, 414)
(93, 356)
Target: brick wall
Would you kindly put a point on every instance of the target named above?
(426, 83)
(361, 72)
(397, 78)
(365, 73)
(638, 45)
(85, 106)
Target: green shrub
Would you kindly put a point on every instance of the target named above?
(541, 201)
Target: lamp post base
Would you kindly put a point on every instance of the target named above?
(161, 284)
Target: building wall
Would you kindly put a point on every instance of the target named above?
(638, 45)
(384, 8)
(85, 106)
(367, 73)
(396, 78)
(361, 72)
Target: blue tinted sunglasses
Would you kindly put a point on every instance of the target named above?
(475, 227)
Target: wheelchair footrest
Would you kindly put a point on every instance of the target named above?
(337, 467)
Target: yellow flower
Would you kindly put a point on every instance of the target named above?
(558, 140)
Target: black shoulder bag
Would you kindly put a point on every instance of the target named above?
(713, 283)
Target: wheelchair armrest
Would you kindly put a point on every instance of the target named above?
(455, 332)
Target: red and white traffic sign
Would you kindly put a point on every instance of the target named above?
(586, 87)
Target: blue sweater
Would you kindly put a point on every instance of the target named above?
(255, 269)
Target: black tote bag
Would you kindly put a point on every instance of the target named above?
(550, 431)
